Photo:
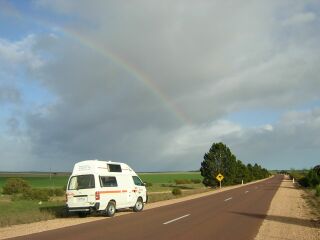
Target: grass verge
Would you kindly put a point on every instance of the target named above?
(27, 211)
(313, 202)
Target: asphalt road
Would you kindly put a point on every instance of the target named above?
(233, 214)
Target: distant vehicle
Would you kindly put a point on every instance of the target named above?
(104, 186)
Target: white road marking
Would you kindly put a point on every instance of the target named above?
(246, 192)
(176, 219)
(228, 199)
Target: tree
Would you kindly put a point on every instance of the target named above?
(317, 169)
(242, 173)
(219, 159)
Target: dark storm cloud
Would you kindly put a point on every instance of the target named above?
(121, 73)
(9, 94)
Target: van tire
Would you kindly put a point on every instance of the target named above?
(138, 207)
(111, 209)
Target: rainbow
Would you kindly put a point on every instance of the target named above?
(132, 70)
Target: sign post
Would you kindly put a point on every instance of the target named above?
(220, 177)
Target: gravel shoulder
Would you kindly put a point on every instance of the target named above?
(289, 216)
(25, 229)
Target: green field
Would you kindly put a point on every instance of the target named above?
(40, 180)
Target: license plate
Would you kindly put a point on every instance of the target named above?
(81, 199)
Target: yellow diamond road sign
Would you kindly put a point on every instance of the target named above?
(219, 177)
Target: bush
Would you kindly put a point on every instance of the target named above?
(196, 181)
(303, 182)
(36, 194)
(147, 184)
(318, 190)
(182, 181)
(176, 191)
(59, 192)
(310, 180)
(15, 185)
(54, 191)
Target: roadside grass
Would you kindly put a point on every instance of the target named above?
(313, 202)
(310, 194)
(24, 211)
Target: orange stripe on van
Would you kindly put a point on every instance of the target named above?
(115, 191)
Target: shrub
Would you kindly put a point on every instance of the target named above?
(15, 185)
(196, 181)
(314, 178)
(54, 191)
(59, 192)
(176, 191)
(182, 181)
(310, 180)
(318, 190)
(303, 182)
(36, 194)
(147, 184)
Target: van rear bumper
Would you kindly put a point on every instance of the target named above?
(90, 209)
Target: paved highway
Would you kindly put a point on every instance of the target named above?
(233, 214)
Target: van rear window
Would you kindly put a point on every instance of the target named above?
(108, 181)
(114, 168)
(81, 182)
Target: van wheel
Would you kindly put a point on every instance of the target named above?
(111, 209)
(139, 205)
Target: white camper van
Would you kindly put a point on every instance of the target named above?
(104, 186)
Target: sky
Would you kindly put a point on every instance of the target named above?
(156, 83)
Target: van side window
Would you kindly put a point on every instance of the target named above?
(108, 181)
(114, 168)
(137, 181)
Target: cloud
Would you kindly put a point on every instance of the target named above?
(300, 18)
(16, 154)
(20, 52)
(9, 94)
(293, 141)
(151, 83)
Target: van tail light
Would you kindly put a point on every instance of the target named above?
(97, 195)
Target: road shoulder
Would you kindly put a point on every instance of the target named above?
(289, 216)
